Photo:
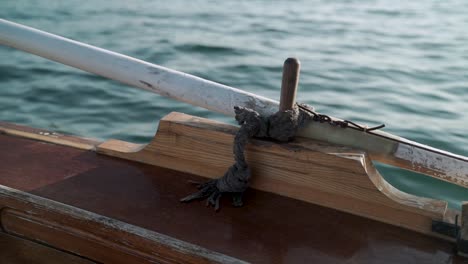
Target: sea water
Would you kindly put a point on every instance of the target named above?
(402, 63)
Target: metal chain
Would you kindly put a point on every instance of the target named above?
(341, 123)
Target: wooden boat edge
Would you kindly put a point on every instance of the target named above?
(46, 221)
(422, 211)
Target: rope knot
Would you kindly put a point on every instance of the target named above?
(281, 126)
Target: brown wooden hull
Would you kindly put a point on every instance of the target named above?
(97, 208)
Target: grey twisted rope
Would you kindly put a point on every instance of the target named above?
(281, 126)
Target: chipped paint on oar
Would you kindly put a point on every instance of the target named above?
(393, 150)
(131, 71)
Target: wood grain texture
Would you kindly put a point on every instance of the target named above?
(15, 250)
(30, 164)
(335, 177)
(97, 237)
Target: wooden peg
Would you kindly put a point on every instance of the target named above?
(463, 239)
(289, 83)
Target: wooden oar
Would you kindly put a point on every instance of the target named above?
(382, 146)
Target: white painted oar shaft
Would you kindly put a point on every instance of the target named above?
(177, 85)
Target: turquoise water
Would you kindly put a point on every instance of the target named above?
(402, 63)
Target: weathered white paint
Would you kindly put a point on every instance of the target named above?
(216, 97)
(446, 168)
(177, 85)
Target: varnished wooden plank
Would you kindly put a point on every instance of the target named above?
(336, 177)
(94, 236)
(272, 225)
(28, 165)
(277, 229)
(47, 136)
(16, 250)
